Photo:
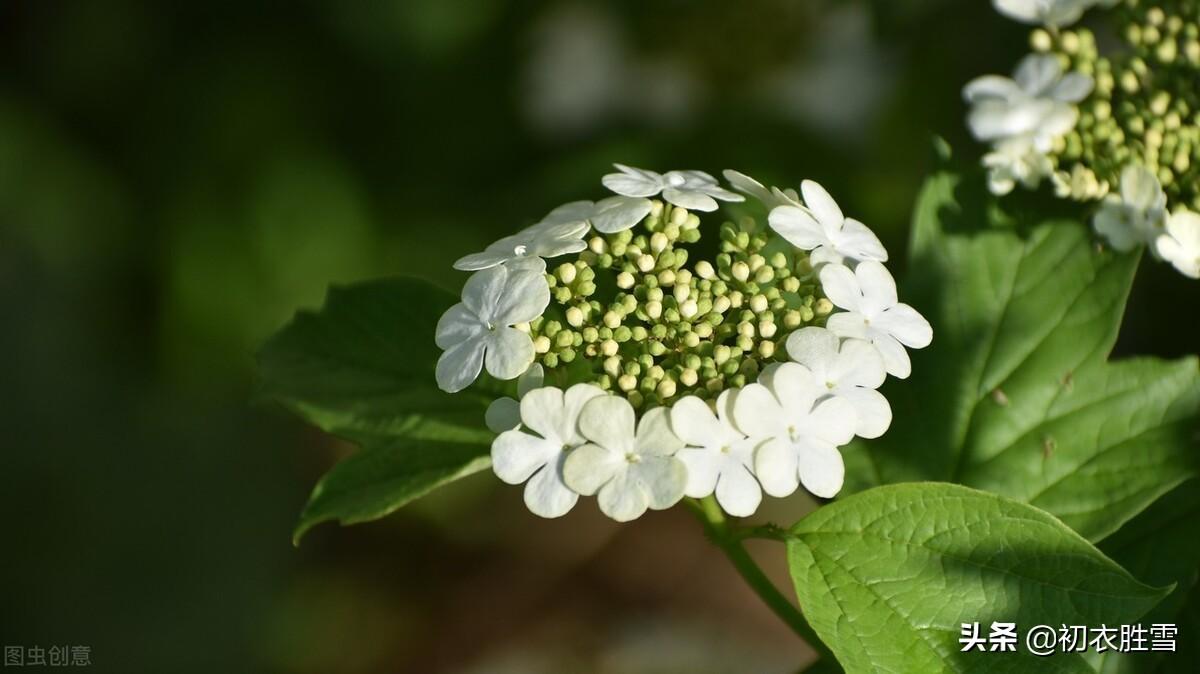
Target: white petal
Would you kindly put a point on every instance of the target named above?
(504, 414)
(542, 413)
(796, 390)
(525, 297)
(662, 479)
(747, 185)
(849, 324)
(906, 325)
(460, 365)
(533, 378)
(822, 205)
(821, 469)
(823, 255)
(895, 358)
(577, 397)
(617, 214)
(480, 261)
(609, 422)
(689, 199)
(694, 423)
(484, 290)
(590, 467)
(458, 325)
(833, 421)
(738, 492)
(1072, 88)
(1140, 188)
(1028, 11)
(872, 413)
(777, 467)
(703, 467)
(546, 495)
(877, 286)
(509, 353)
(757, 413)
(992, 87)
(632, 182)
(654, 434)
(859, 364)
(859, 242)
(1036, 73)
(840, 285)
(1111, 223)
(814, 348)
(622, 499)
(516, 455)
(576, 211)
(798, 227)
(531, 263)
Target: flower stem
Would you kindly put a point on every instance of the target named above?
(730, 540)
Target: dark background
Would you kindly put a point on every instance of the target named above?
(176, 178)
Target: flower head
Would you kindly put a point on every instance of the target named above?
(479, 331)
(518, 456)
(693, 190)
(719, 457)
(798, 431)
(873, 313)
(629, 470)
(1136, 216)
(527, 249)
(821, 227)
(1180, 245)
(851, 370)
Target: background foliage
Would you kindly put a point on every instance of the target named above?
(177, 178)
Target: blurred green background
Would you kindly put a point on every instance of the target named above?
(177, 178)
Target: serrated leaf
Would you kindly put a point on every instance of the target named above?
(887, 577)
(363, 366)
(376, 482)
(1016, 394)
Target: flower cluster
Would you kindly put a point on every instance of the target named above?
(1120, 129)
(644, 376)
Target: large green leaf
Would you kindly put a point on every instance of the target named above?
(888, 576)
(375, 482)
(1161, 546)
(1016, 394)
(363, 368)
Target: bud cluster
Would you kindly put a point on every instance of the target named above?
(635, 316)
(1145, 107)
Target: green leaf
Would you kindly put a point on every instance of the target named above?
(376, 482)
(1016, 394)
(1160, 546)
(887, 577)
(363, 366)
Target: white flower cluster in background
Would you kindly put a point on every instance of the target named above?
(772, 435)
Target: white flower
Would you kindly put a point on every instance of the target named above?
(1016, 160)
(504, 414)
(1181, 244)
(609, 216)
(1038, 106)
(850, 370)
(527, 249)
(479, 331)
(1136, 216)
(1057, 13)
(694, 190)
(798, 437)
(518, 456)
(873, 313)
(719, 457)
(770, 198)
(630, 471)
(824, 230)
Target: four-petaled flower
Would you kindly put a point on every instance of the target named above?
(1036, 106)
(1136, 216)
(1180, 245)
(823, 229)
(719, 457)
(628, 470)
(874, 313)
(608, 216)
(1016, 160)
(694, 190)
(518, 456)
(850, 370)
(797, 436)
(478, 331)
(528, 249)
